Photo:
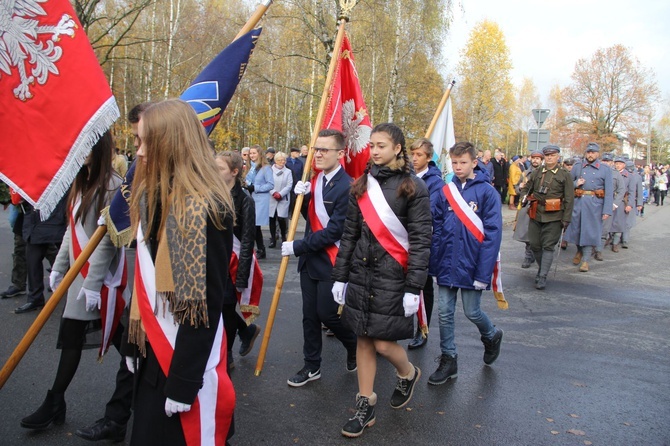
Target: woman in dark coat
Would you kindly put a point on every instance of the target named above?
(384, 283)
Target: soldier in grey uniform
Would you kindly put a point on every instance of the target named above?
(619, 216)
(635, 201)
(550, 194)
(522, 221)
(593, 204)
(619, 189)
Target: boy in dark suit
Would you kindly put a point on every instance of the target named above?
(325, 208)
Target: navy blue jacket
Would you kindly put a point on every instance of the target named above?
(296, 166)
(457, 257)
(313, 257)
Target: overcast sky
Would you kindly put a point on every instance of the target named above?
(545, 39)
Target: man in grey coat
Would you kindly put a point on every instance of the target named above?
(593, 204)
(635, 201)
(618, 189)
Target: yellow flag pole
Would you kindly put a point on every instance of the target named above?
(58, 294)
(299, 198)
(440, 107)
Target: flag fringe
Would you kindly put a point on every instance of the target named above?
(99, 123)
(118, 238)
(250, 313)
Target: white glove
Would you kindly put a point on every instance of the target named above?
(240, 290)
(172, 407)
(480, 285)
(93, 299)
(301, 187)
(130, 363)
(338, 292)
(102, 221)
(410, 303)
(55, 278)
(287, 249)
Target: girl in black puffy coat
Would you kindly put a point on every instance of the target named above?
(383, 261)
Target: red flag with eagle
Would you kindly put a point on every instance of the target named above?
(346, 111)
(55, 101)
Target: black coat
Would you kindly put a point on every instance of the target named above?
(377, 283)
(245, 231)
(51, 230)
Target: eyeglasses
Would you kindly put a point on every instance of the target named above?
(323, 150)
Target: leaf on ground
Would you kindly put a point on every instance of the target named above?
(480, 397)
(551, 420)
(478, 426)
(574, 415)
(626, 423)
(576, 432)
(555, 432)
(578, 384)
(408, 409)
(587, 443)
(539, 411)
(292, 405)
(440, 412)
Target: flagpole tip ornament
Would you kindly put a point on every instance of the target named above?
(346, 6)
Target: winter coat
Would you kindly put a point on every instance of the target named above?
(104, 259)
(433, 180)
(458, 258)
(51, 230)
(514, 178)
(263, 182)
(283, 183)
(377, 283)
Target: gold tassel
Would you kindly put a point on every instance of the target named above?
(500, 297)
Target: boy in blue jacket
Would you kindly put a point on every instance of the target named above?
(465, 247)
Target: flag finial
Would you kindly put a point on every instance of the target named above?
(345, 8)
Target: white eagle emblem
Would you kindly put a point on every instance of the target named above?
(356, 136)
(22, 45)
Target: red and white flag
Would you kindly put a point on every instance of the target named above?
(346, 111)
(55, 101)
(250, 299)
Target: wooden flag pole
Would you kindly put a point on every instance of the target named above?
(50, 306)
(92, 244)
(440, 107)
(299, 198)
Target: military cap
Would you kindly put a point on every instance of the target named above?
(537, 153)
(569, 161)
(515, 157)
(620, 159)
(295, 149)
(549, 149)
(607, 157)
(271, 150)
(592, 147)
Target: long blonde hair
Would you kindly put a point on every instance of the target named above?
(179, 164)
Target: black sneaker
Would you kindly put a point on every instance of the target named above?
(364, 417)
(418, 341)
(12, 291)
(404, 389)
(304, 376)
(447, 370)
(492, 347)
(248, 336)
(351, 361)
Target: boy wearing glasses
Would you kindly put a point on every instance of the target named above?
(324, 207)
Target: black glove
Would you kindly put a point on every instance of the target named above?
(565, 224)
(251, 188)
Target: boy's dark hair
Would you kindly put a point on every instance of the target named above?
(339, 137)
(136, 111)
(462, 148)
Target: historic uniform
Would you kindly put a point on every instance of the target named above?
(593, 201)
(635, 201)
(551, 196)
(618, 190)
(619, 215)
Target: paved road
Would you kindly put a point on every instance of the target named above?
(584, 362)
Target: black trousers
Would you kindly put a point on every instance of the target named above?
(273, 228)
(19, 273)
(319, 307)
(233, 323)
(260, 244)
(35, 255)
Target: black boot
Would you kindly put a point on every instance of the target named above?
(273, 243)
(52, 410)
(545, 267)
(447, 370)
(103, 429)
(419, 341)
(364, 417)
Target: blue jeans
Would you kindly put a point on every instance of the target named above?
(446, 305)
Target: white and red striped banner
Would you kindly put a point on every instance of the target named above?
(318, 216)
(208, 421)
(250, 298)
(113, 294)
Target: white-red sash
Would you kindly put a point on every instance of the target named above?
(250, 298)
(474, 225)
(318, 216)
(113, 293)
(389, 232)
(209, 419)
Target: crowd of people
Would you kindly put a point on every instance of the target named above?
(372, 251)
